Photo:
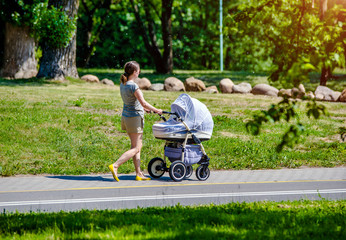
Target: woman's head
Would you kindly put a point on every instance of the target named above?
(129, 68)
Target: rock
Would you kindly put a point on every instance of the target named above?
(157, 87)
(324, 93)
(242, 88)
(301, 88)
(342, 97)
(143, 83)
(226, 85)
(310, 95)
(194, 85)
(265, 89)
(319, 96)
(211, 89)
(295, 92)
(107, 82)
(90, 78)
(25, 74)
(285, 92)
(173, 84)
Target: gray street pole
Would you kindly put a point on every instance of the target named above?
(221, 39)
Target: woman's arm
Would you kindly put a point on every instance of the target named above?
(145, 104)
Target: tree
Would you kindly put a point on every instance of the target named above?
(328, 18)
(58, 58)
(19, 45)
(294, 37)
(90, 29)
(196, 33)
(163, 61)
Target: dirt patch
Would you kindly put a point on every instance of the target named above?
(98, 111)
(232, 135)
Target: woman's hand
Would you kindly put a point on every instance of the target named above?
(159, 111)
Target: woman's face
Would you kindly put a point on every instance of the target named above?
(137, 72)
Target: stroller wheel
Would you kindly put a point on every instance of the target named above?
(156, 167)
(202, 173)
(177, 171)
(189, 171)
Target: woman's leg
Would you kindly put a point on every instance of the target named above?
(136, 145)
(137, 158)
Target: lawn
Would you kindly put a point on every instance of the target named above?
(303, 219)
(74, 127)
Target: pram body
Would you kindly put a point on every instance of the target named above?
(193, 113)
(189, 124)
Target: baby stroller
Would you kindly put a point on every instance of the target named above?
(189, 124)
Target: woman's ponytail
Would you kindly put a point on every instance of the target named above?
(124, 78)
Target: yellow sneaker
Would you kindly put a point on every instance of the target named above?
(112, 171)
(142, 179)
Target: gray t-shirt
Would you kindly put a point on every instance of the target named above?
(132, 107)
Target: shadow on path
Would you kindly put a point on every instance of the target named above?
(83, 178)
(110, 179)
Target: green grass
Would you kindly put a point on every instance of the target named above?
(260, 220)
(74, 128)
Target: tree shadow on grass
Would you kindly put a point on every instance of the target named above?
(26, 82)
(266, 220)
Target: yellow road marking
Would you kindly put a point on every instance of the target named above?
(172, 185)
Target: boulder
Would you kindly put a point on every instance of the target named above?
(310, 95)
(173, 84)
(25, 74)
(285, 92)
(301, 88)
(90, 78)
(157, 87)
(295, 92)
(324, 93)
(194, 85)
(298, 92)
(143, 83)
(211, 89)
(265, 89)
(226, 85)
(342, 97)
(107, 82)
(242, 88)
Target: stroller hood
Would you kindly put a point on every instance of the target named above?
(194, 113)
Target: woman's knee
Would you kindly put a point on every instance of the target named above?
(138, 147)
(136, 141)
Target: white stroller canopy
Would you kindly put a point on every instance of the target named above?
(194, 113)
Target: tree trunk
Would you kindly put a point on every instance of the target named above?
(166, 23)
(19, 53)
(323, 8)
(163, 62)
(325, 72)
(85, 33)
(60, 63)
(325, 75)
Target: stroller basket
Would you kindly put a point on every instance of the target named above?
(193, 154)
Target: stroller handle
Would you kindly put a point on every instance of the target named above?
(170, 113)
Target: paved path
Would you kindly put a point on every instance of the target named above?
(55, 193)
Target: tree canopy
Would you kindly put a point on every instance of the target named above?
(287, 38)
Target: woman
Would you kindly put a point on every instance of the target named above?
(132, 118)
